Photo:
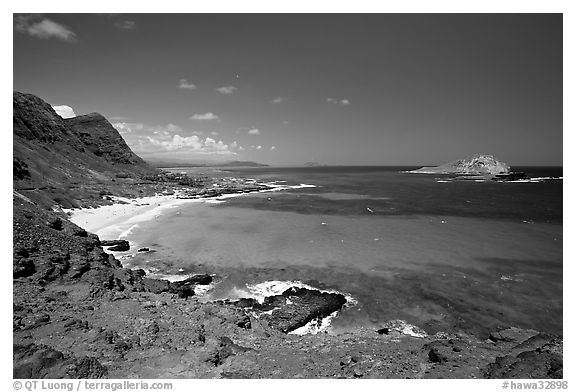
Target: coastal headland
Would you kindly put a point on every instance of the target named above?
(78, 313)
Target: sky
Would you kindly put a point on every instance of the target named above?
(337, 89)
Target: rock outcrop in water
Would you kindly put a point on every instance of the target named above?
(476, 165)
(294, 308)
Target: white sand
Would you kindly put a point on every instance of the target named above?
(117, 221)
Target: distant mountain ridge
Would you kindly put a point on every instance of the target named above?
(479, 164)
(54, 157)
(209, 164)
(242, 164)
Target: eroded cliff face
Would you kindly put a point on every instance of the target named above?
(57, 161)
(103, 140)
(36, 121)
(480, 164)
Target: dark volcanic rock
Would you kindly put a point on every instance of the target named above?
(20, 169)
(185, 288)
(512, 335)
(56, 223)
(246, 303)
(539, 356)
(114, 243)
(80, 233)
(201, 279)
(156, 285)
(87, 367)
(22, 268)
(529, 364)
(119, 248)
(183, 291)
(441, 351)
(436, 356)
(298, 306)
(40, 361)
(222, 349)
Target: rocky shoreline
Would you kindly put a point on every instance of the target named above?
(78, 313)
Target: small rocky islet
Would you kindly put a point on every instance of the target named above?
(77, 313)
(476, 167)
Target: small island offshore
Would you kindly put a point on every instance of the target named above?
(78, 313)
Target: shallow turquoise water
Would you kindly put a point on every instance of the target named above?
(476, 256)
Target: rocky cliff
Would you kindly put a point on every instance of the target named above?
(476, 165)
(103, 140)
(57, 161)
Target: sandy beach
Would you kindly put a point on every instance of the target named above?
(118, 220)
(115, 221)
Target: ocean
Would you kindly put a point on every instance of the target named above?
(438, 253)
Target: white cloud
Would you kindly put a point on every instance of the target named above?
(277, 100)
(226, 90)
(192, 144)
(204, 117)
(173, 128)
(184, 84)
(125, 24)
(272, 148)
(122, 127)
(167, 130)
(341, 102)
(214, 133)
(40, 27)
(253, 131)
(64, 111)
(241, 148)
(170, 138)
(164, 130)
(259, 147)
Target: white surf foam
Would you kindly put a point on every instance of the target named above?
(536, 179)
(315, 326)
(405, 328)
(262, 290)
